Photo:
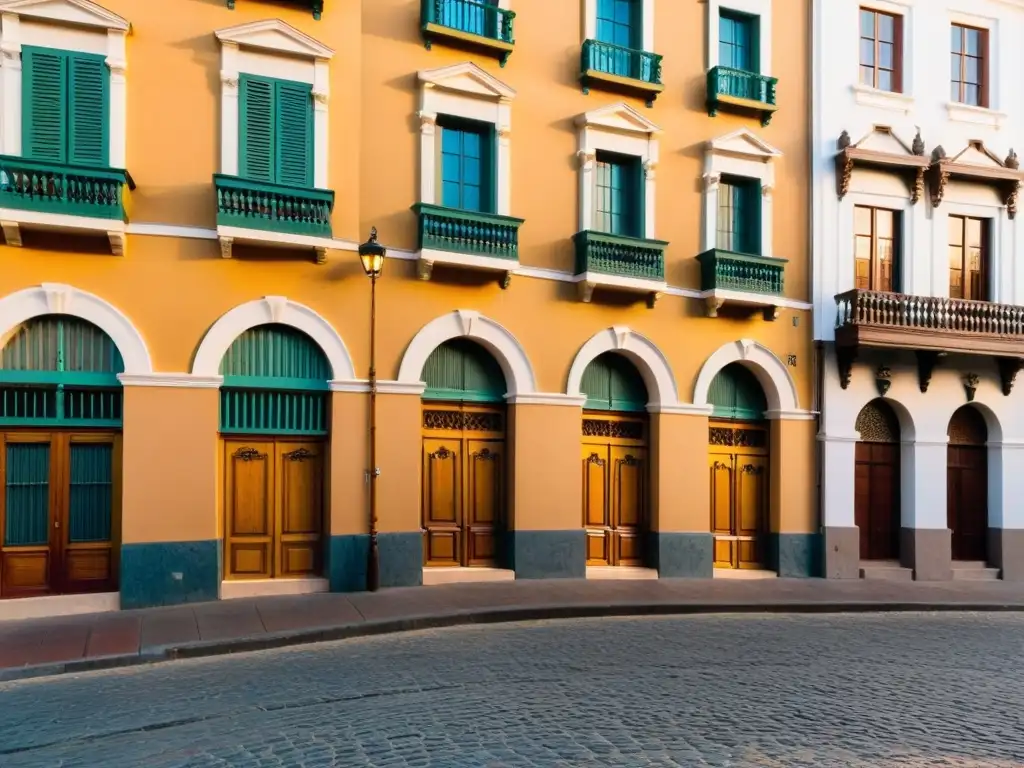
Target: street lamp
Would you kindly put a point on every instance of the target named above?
(371, 254)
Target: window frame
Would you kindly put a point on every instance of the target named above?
(488, 157)
(761, 9)
(632, 198)
(749, 188)
(897, 61)
(874, 262)
(753, 24)
(984, 96)
(985, 266)
(645, 23)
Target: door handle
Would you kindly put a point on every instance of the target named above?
(56, 523)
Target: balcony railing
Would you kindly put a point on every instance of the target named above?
(739, 88)
(72, 190)
(726, 270)
(619, 256)
(472, 23)
(604, 61)
(273, 207)
(468, 232)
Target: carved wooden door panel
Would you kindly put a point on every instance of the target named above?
(967, 501)
(442, 500)
(629, 503)
(721, 478)
(249, 508)
(739, 487)
(91, 511)
(876, 500)
(596, 512)
(29, 511)
(299, 508)
(484, 471)
(750, 509)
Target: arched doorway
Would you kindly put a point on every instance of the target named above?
(60, 458)
(967, 484)
(877, 482)
(274, 422)
(463, 455)
(615, 464)
(738, 457)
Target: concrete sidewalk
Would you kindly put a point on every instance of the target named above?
(49, 646)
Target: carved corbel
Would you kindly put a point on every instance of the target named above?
(506, 279)
(652, 299)
(586, 158)
(428, 123)
(229, 79)
(118, 243)
(504, 132)
(917, 188)
(585, 291)
(926, 362)
(712, 304)
(771, 314)
(845, 358)
(1010, 198)
(970, 385)
(844, 174)
(767, 190)
(650, 169)
(321, 255)
(226, 244)
(711, 181)
(424, 269)
(1009, 367)
(320, 97)
(939, 181)
(12, 232)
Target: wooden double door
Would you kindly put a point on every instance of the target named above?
(463, 483)
(877, 500)
(273, 507)
(615, 488)
(967, 500)
(740, 482)
(60, 512)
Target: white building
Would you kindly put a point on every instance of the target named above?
(917, 108)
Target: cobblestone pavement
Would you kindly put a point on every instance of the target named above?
(740, 691)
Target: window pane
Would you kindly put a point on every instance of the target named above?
(471, 197)
(862, 220)
(450, 167)
(973, 70)
(862, 247)
(725, 30)
(974, 227)
(972, 95)
(955, 35)
(956, 230)
(954, 91)
(886, 28)
(885, 55)
(451, 194)
(883, 220)
(954, 67)
(867, 76)
(973, 42)
(471, 171)
(885, 81)
(867, 23)
(867, 52)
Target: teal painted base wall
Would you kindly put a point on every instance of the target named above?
(401, 560)
(548, 554)
(681, 555)
(170, 573)
(795, 555)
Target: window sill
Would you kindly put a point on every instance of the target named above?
(965, 113)
(872, 97)
(229, 236)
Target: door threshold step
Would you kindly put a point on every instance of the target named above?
(885, 570)
(458, 575)
(18, 608)
(974, 573)
(744, 573)
(239, 588)
(620, 572)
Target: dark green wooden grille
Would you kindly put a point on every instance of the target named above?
(27, 494)
(92, 485)
(460, 369)
(736, 393)
(60, 371)
(275, 382)
(612, 383)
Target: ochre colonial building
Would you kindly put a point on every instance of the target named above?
(593, 338)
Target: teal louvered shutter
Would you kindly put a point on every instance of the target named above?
(736, 393)
(44, 104)
(612, 383)
(256, 129)
(294, 134)
(88, 108)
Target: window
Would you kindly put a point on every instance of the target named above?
(65, 109)
(968, 257)
(881, 54)
(876, 246)
(275, 140)
(739, 215)
(476, 17)
(466, 150)
(617, 209)
(968, 64)
(737, 42)
(618, 22)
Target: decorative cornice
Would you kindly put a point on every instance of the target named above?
(170, 380)
(386, 387)
(681, 409)
(783, 415)
(548, 398)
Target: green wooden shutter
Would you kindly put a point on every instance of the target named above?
(736, 393)
(294, 134)
(638, 206)
(753, 192)
(91, 496)
(256, 129)
(44, 105)
(27, 494)
(88, 107)
(462, 370)
(612, 383)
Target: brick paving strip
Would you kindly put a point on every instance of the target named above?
(50, 646)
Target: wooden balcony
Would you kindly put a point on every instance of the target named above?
(742, 280)
(930, 326)
(621, 69)
(275, 215)
(470, 239)
(737, 89)
(61, 197)
(625, 264)
(470, 24)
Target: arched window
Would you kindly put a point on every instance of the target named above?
(877, 423)
(275, 382)
(462, 370)
(736, 393)
(612, 383)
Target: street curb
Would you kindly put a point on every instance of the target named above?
(511, 614)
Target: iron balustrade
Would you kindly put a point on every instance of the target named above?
(621, 61)
(72, 190)
(619, 255)
(472, 17)
(273, 207)
(469, 232)
(727, 270)
(728, 86)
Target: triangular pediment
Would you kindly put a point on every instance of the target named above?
(275, 35)
(467, 78)
(883, 139)
(745, 143)
(618, 117)
(83, 12)
(976, 153)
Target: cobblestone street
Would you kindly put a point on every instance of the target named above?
(758, 691)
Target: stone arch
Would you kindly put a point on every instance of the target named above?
(879, 422)
(271, 309)
(993, 426)
(61, 299)
(648, 359)
(778, 385)
(496, 339)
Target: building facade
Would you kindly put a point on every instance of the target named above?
(917, 290)
(593, 334)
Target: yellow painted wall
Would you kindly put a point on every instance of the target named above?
(794, 483)
(546, 455)
(348, 495)
(680, 494)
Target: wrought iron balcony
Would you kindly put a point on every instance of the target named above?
(316, 6)
(472, 23)
(628, 263)
(739, 89)
(275, 208)
(741, 279)
(621, 68)
(71, 190)
(466, 238)
(931, 326)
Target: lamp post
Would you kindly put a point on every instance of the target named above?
(371, 254)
